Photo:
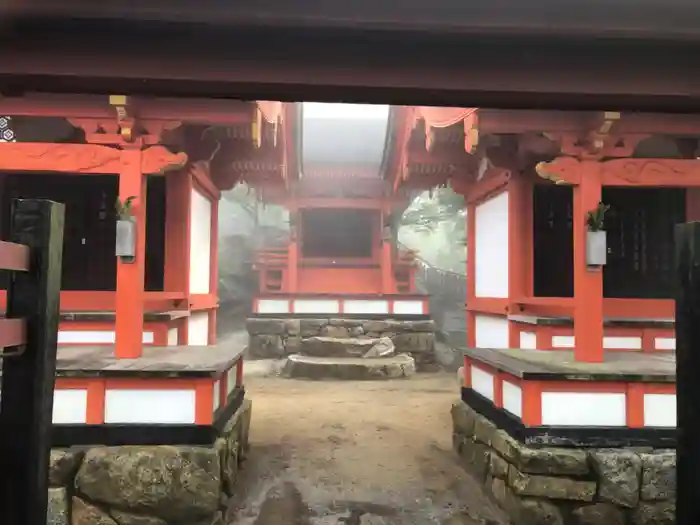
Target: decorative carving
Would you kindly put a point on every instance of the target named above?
(67, 158)
(158, 160)
(651, 172)
(562, 170)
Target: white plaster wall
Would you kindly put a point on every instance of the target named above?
(491, 247)
(482, 383)
(513, 399)
(95, 337)
(172, 337)
(69, 406)
(528, 340)
(580, 409)
(273, 306)
(200, 242)
(150, 406)
(660, 410)
(665, 343)
(491, 331)
(409, 308)
(316, 306)
(198, 329)
(369, 307)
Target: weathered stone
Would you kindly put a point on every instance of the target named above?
(505, 445)
(292, 345)
(498, 467)
(460, 377)
(335, 346)
(265, 347)
(597, 514)
(311, 327)
(245, 413)
(349, 368)
(462, 418)
(126, 518)
(63, 464)
(427, 325)
(261, 326)
(83, 513)
(550, 487)
(476, 458)
(292, 326)
(356, 331)
(484, 429)
(163, 481)
(619, 473)
(531, 511)
(346, 322)
(458, 441)
(57, 510)
(376, 327)
(656, 513)
(414, 342)
(659, 476)
(337, 332)
(557, 461)
(383, 348)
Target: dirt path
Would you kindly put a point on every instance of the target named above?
(379, 453)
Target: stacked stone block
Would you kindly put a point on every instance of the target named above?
(148, 485)
(566, 486)
(279, 338)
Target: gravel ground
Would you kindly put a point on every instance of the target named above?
(355, 453)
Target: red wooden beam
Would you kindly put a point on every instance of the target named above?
(13, 332)
(14, 257)
(221, 112)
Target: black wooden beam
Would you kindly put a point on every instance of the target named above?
(28, 378)
(688, 373)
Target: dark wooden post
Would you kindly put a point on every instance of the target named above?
(688, 373)
(28, 378)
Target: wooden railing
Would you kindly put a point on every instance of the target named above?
(28, 340)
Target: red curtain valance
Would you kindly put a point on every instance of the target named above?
(443, 118)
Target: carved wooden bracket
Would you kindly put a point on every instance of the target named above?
(562, 170)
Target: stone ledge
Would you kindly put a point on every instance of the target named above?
(572, 486)
(143, 485)
(274, 338)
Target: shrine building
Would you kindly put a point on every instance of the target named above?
(141, 180)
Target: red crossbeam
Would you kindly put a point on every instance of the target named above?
(14, 257)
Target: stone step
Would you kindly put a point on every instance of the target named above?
(337, 346)
(349, 368)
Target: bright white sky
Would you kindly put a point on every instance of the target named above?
(359, 111)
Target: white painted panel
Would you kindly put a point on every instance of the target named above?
(200, 242)
(665, 343)
(482, 383)
(172, 337)
(231, 379)
(491, 331)
(320, 306)
(513, 399)
(563, 341)
(198, 329)
(622, 343)
(580, 409)
(69, 406)
(356, 306)
(95, 337)
(150, 406)
(528, 340)
(660, 410)
(491, 247)
(408, 308)
(273, 306)
(217, 395)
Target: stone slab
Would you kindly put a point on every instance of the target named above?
(395, 367)
(546, 365)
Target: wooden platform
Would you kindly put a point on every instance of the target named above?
(659, 367)
(157, 361)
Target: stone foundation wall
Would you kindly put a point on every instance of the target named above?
(148, 485)
(566, 486)
(277, 338)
